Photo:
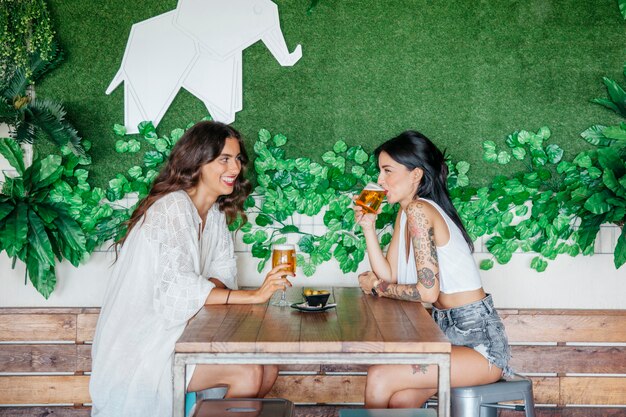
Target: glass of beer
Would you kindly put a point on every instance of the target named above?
(284, 254)
(371, 198)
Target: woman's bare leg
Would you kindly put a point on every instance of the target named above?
(402, 386)
(270, 373)
(243, 381)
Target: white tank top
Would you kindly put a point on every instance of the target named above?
(457, 269)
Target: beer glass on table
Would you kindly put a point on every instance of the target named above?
(284, 254)
(371, 198)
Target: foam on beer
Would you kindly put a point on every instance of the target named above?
(372, 186)
(284, 246)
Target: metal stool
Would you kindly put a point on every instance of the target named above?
(482, 400)
(393, 412)
(244, 407)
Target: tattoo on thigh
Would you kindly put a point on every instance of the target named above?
(419, 368)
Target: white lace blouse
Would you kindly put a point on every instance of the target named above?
(158, 283)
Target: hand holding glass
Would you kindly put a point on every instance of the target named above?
(371, 198)
(284, 254)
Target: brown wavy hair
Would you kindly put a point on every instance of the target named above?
(201, 144)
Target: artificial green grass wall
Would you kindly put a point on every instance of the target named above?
(461, 72)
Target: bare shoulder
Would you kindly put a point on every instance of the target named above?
(423, 210)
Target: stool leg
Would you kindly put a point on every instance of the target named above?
(488, 412)
(465, 407)
(529, 403)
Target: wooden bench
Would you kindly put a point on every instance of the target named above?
(575, 358)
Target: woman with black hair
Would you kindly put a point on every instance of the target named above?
(429, 260)
(176, 256)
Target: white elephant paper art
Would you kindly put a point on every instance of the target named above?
(198, 47)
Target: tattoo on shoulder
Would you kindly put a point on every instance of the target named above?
(400, 292)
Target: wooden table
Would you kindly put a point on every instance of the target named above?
(360, 330)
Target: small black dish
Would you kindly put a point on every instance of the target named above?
(317, 300)
(308, 309)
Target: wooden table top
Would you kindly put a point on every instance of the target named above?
(359, 323)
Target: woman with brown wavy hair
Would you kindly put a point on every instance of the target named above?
(176, 256)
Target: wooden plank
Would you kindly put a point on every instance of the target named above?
(37, 327)
(397, 330)
(317, 328)
(359, 331)
(280, 330)
(83, 358)
(240, 328)
(602, 390)
(578, 327)
(72, 389)
(333, 411)
(546, 390)
(319, 411)
(336, 389)
(569, 359)
(86, 327)
(45, 411)
(209, 320)
(49, 310)
(319, 388)
(38, 358)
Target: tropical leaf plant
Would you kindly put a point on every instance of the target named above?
(32, 119)
(34, 227)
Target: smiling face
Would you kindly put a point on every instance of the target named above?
(218, 177)
(400, 183)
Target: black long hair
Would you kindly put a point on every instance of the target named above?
(414, 150)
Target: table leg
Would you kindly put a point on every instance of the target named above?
(178, 370)
(444, 388)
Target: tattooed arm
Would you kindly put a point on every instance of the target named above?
(422, 233)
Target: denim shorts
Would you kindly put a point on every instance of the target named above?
(477, 326)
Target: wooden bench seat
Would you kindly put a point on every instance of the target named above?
(574, 358)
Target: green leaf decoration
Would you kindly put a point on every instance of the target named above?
(15, 231)
(519, 153)
(12, 152)
(619, 256)
(595, 136)
(134, 146)
(360, 157)
(504, 157)
(614, 133)
(121, 146)
(41, 275)
(306, 244)
(583, 160)
(152, 159)
(263, 220)
(340, 146)
(617, 96)
(486, 264)
(538, 264)
(544, 133)
(554, 153)
(622, 8)
(462, 167)
(264, 135)
(39, 242)
(597, 203)
(146, 129)
(280, 140)
(50, 170)
(119, 130)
